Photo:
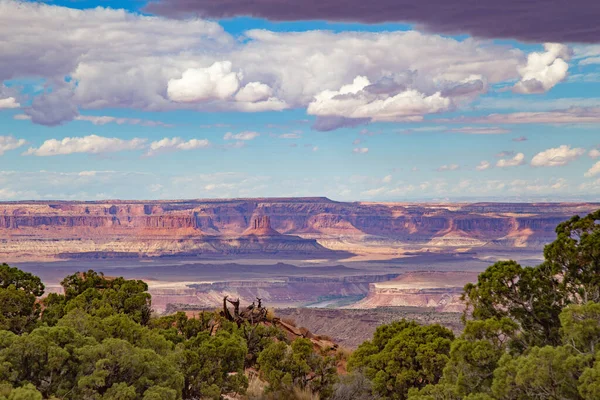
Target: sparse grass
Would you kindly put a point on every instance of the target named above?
(270, 314)
(343, 354)
(304, 394)
(256, 388)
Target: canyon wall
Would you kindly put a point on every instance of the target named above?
(64, 229)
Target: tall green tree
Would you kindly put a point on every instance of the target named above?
(297, 366)
(535, 296)
(116, 365)
(403, 355)
(19, 309)
(575, 257)
(25, 281)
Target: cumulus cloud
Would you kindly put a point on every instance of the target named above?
(91, 144)
(246, 135)
(163, 64)
(10, 143)
(483, 166)
(594, 153)
(9, 102)
(593, 171)
(448, 167)
(254, 92)
(505, 153)
(353, 101)
(518, 159)
(557, 157)
(513, 19)
(176, 143)
(216, 82)
(54, 107)
(544, 70)
(360, 150)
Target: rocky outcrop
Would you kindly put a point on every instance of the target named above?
(217, 226)
(350, 328)
(437, 290)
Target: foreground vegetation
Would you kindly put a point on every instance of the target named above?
(530, 333)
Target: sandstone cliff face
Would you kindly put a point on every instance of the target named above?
(173, 227)
(437, 290)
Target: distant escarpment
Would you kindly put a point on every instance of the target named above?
(276, 226)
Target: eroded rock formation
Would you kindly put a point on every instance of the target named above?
(47, 229)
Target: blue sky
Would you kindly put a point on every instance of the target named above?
(120, 103)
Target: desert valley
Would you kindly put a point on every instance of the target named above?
(291, 252)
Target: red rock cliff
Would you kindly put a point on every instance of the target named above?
(502, 224)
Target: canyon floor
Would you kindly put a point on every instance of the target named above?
(362, 263)
(424, 280)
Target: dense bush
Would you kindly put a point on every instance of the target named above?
(99, 341)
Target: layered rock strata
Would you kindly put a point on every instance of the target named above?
(53, 229)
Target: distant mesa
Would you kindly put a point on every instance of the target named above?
(261, 226)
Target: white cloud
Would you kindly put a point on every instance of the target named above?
(290, 136)
(525, 104)
(9, 102)
(557, 157)
(254, 92)
(478, 130)
(155, 187)
(92, 144)
(216, 82)
(387, 179)
(163, 64)
(104, 119)
(594, 153)
(246, 135)
(518, 159)
(10, 143)
(448, 167)
(574, 115)
(353, 101)
(360, 150)
(483, 166)
(544, 70)
(593, 171)
(176, 143)
(83, 185)
(538, 186)
(375, 192)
